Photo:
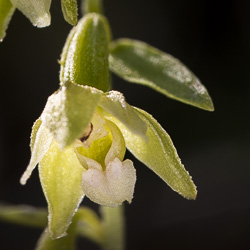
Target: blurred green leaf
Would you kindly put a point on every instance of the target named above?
(69, 111)
(159, 154)
(36, 10)
(6, 12)
(69, 9)
(85, 57)
(89, 224)
(140, 63)
(113, 104)
(61, 175)
(24, 215)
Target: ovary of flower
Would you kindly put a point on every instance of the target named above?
(112, 186)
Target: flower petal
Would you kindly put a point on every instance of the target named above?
(110, 187)
(40, 143)
(69, 111)
(159, 154)
(114, 104)
(60, 174)
(36, 10)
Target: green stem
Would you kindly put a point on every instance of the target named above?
(113, 228)
(89, 6)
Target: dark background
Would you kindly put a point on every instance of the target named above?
(212, 38)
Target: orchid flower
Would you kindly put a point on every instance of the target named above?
(80, 139)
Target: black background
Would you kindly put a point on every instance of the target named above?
(212, 39)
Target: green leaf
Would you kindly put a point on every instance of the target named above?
(69, 9)
(39, 143)
(140, 63)
(69, 111)
(36, 10)
(89, 6)
(6, 12)
(66, 243)
(85, 58)
(24, 215)
(159, 154)
(113, 103)
(61, 174)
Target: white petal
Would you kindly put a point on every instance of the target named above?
(110, 187)
(36, 10)
(121, 178)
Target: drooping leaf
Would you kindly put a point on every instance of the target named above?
(36, 10)
(114, 104)
(140, 63)
(61, 174)
(69, 9)
(159, 154)
(24, 215)
(69, 111)
(40, 142)
(6, 12)
(85, 58)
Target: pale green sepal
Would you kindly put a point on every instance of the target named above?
(86, 61)
(118, 146)
(89, 224)
(24, 215)
(40, 142)
(70, 11)
(66, 243)
(114, 104)
(140, 63)
(159, 154)
(89, 6)
(36, 10)
(61, 174)
(6, 12)
(69, 111)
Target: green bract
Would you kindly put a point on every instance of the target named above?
(140, 63)
(69, 9)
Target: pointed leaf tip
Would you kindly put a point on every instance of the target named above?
(140, 63)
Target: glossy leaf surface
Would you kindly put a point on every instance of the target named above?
(159, 154)
(61, 175)
(85, 58)
(69, 111)
(140, 63)
(69, 9)
(6, 12)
